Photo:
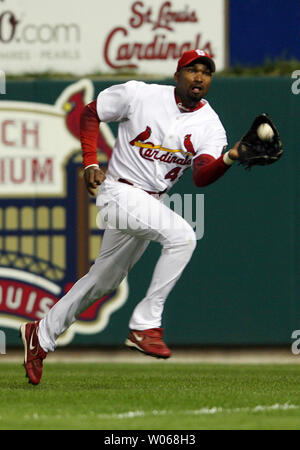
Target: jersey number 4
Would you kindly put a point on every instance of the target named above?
(173, 174)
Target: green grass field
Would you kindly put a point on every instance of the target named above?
(156, 396)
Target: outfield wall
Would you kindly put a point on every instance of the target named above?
(241, 286)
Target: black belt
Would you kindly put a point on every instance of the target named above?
(121, 180)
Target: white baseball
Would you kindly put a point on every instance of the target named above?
(265, 132)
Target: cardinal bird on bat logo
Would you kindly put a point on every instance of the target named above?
(142, 137)
(188, 144)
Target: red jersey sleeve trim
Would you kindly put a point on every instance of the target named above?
(89, 133)
(207, 169)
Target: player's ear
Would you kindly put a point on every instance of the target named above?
(176, 76)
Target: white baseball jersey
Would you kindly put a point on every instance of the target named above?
(156, 141)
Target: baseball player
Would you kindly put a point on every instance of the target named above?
(163, 131)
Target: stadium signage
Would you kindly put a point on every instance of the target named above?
(141, 35)
(120, 55)
(43, 201)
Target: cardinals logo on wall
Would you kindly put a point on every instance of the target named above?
(49, 236)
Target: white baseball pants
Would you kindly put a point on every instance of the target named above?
(132, 219)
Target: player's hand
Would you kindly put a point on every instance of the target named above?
(93, 177)
(233, 153)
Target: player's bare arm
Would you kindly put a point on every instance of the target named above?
(233, 153)
(93, 177)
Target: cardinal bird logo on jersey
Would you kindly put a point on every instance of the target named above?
(73, 107)
(188, 144)
(142, 137)
(157, 152)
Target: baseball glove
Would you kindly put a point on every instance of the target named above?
(255, 151)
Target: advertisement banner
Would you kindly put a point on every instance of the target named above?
(49, 236)
(146, 37)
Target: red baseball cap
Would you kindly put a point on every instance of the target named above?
(191, 55)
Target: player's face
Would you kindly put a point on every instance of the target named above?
(193, 83)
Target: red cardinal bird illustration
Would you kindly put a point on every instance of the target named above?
(73, 108)
(188, 144)
(142, 136)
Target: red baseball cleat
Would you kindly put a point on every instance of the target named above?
(149, 342)
(34, 354)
